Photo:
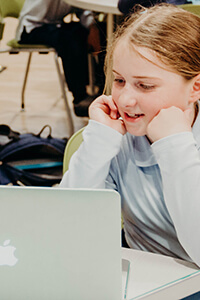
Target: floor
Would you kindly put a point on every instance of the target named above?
(43, 101)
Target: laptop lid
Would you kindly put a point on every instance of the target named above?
(59, 244)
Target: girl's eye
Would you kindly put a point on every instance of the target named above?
(146, 87)
(119, 80)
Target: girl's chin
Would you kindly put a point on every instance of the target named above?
(134, 131)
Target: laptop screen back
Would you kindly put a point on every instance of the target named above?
(59, 244)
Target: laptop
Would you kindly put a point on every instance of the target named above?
(60, 244)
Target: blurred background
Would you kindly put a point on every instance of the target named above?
(43, 101)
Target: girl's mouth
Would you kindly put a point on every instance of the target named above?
(133, 117)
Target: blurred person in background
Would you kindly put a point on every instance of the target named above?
(42, 22)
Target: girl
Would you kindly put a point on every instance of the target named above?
(144, 139)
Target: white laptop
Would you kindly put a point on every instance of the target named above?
(60, 244)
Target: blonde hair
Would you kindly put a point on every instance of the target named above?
(171, 32)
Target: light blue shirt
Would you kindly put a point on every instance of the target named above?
(159, 185)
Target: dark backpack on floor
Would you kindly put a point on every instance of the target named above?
(30, 159)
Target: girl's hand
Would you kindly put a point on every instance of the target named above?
(169, 121)
(104, 110)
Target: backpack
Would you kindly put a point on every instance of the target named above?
(30, 159)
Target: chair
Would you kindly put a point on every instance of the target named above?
(72, 145)
(193, 8)
(2, 68)
(12, 8)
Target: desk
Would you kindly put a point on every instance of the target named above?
(106, 6)
(156, 277)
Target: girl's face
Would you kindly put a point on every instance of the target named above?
(142, 88)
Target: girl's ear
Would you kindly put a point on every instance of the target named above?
(195, 92)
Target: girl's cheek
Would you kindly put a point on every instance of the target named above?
(115, 96)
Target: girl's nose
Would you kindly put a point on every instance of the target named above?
(128, 96)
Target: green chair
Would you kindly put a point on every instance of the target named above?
(1, 34)
(72, 145)
(193, 8)
(12, 8)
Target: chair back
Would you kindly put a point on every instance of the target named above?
(193, 8)
(10, 8)
(72, 145)
(1, 30)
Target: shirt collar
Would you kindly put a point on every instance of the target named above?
(196, 130)
(143, 153)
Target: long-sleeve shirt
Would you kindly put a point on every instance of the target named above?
(35, 13)
(159, 185)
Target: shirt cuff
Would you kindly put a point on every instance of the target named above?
(172, 142)
(101, 136)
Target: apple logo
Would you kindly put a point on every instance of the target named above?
(7, 257)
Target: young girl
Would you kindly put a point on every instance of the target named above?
(144, 139)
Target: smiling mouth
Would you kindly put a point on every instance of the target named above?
(134, 116)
